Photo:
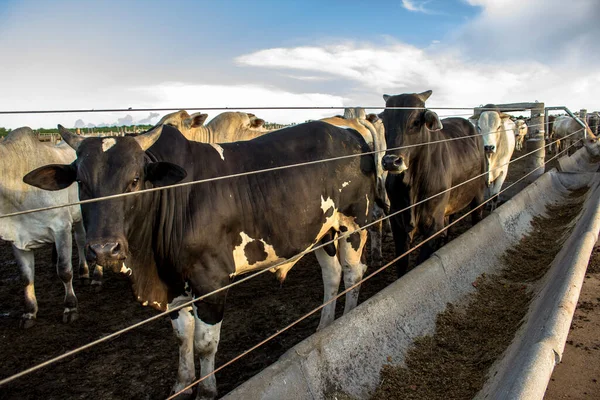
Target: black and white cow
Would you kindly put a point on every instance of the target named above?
(184, 242)
(419, 172)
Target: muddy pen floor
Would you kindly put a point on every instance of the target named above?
(142, 364)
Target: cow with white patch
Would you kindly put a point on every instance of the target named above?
(418, 170)
(226, 127)
(185, 242)
(498, 132)
(371, 129)
(520, 133)
(21, 152)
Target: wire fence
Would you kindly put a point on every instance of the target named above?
(241, 174)
(131, 109)
(251, 276)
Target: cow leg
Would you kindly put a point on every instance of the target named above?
(477, 215)
(26, 262)
(208, 318)
(182, 322)
(447, 221)
(351, 249)
(332, 275)
(97, 277)
(84, 270)
(376, 232)
(436, 224)
(401, 244)
(64, 268)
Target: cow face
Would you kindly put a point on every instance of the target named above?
(105, 167)
(490, 126)
(406, 127)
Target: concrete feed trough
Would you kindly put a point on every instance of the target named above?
(347, 356)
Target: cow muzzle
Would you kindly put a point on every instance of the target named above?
(106, 253)
(489, 149)
(394, 164)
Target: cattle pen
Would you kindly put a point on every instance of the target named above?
(115, 350)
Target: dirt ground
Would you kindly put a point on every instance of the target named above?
(578, 374)
(142, 364)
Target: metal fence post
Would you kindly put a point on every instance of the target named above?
(583, 118)
(536, 142)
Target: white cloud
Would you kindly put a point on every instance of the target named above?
(455, 79)
(548, 30)
(415, 5)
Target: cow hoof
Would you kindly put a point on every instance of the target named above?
(70, 315)
(27, 323)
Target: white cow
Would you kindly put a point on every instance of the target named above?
(520, 134)
(20, 153)
(224, 128)
(497, 130)
(568, 131)
(371, 129)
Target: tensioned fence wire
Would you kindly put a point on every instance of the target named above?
(241, 174)
(251, 276)
(131, 109)
(302, 318)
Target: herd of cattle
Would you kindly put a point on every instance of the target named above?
(187, 241)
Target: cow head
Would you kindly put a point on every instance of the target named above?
(237, 121)
(490, 126)
(406, 127)
(104, 167)
(183, 121)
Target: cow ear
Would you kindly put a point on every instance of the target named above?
(425, 95)
(197, 120)
(52, 177)
(164, 173)
(386, 97)
(257, 122)
(372, 118)
(432, 121)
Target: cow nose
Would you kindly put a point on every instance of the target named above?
(489, 149)
(391, 162)
(105, 251)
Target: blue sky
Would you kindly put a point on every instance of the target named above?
(79, 54)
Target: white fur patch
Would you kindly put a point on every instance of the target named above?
(242, 265)
(219, 149)
(125, 270)
(108, 143)
(344, 185)
(367, 210)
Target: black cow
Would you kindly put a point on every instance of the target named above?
(184, 242)
(416, 173)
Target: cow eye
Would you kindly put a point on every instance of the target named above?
(136, 180)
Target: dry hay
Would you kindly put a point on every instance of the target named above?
(453, 363)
